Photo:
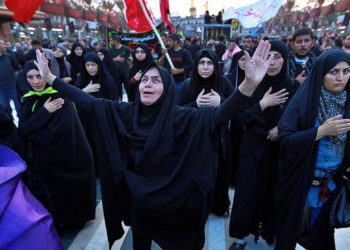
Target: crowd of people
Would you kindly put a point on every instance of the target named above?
(268, 118)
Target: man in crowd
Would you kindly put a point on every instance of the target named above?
(346, 43)
(181, 59)
(302, 60)
(248, 43)
(8, 69)
(120, 55)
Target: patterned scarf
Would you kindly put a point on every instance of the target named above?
(331, 105)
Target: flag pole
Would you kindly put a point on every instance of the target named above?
(156, 33)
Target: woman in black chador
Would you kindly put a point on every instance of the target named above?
(236, 77)
(142, 57)
(252, 210)
(76, 58)
(314, 145)
(111, 67)
(208, 88)
(60, 152)
(158, 160)
(95, 79)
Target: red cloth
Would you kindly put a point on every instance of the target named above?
(165, 12)
(23, 9)
(136, 20)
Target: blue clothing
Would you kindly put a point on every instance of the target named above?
(329, 158)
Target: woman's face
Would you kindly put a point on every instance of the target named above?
(91, 68)
(337, 78)
(35, 81)
(101, 56)
(205, 67)
(140, 54)
(58, 53)
(241, 63)
(276, 63)
(78, 51)
(151, 86)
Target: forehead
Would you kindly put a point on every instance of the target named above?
(205, 59)
(139, 48)
(276, 53)
(152, 72)
(341, 65)
(303, 37)
(91, 63)
(33, 72)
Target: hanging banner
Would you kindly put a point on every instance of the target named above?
(132, 39)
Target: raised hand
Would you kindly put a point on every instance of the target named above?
(54, 105)
(43, 66)
(256, 67)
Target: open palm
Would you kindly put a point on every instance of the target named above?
(256, 66)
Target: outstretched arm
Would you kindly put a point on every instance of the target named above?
(256, 68)
(79, 97)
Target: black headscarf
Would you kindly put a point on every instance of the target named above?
(60, 153)
(111, 66)
(236, 74)
(215, 81)
(297, 131)
(156, 147)
(136, 67)
(76, 61)
(108, 89)
(141, 65)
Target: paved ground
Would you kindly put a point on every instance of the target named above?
(93, 236)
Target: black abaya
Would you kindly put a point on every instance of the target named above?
(298, 152)
(163, 162)
(187, 96)
(61, 155)
(258, 161)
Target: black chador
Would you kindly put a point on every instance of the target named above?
(133, 84)
(112, 69)
(76, 61)
(298, 153)
(187, 96)
(108, 88)
(157, 163)
(258, 158)
(60, 153)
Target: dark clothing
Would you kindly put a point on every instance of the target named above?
(108, 88)
(20, 57)
(62, 156)
(112, 69)
(181, 59)
(187, 96)
(7, 71)
(136, 67)
(220, 50)
(296, 167)
(161, 177)
(75, 61)
(194, 48)
(295, 69)
(9, 135)
(252, 210)
(124, 52)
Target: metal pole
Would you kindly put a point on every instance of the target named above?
(156, 33)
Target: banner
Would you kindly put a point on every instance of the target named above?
(132, 39)
(251, 16)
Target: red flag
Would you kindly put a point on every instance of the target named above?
(165, 13)
(23, 9)
(136, 19)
